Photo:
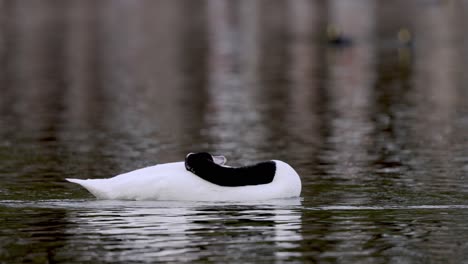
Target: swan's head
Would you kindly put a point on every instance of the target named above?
(201, 158)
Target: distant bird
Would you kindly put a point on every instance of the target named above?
(405, 39)
(202, 177)
(336, 37)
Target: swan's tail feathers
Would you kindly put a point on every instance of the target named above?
(77, 181)
(96, 187)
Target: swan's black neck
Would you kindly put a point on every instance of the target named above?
(202, 165)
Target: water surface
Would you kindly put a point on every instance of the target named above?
(376, 126)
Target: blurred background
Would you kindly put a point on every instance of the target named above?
(366, 99)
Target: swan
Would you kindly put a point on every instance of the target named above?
(201, 177)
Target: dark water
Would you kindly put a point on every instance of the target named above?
(375, 121)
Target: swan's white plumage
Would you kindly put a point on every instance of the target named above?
(171, 181)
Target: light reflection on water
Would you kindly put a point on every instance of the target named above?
(129, 232)
(376, 127)
(122, 231)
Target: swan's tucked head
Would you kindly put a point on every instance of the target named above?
(193, 160)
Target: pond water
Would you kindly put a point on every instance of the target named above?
(374, 120)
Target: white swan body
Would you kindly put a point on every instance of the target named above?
(171, 181)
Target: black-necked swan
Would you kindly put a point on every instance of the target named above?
(202, 177)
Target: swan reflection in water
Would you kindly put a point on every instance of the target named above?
(177, 231)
